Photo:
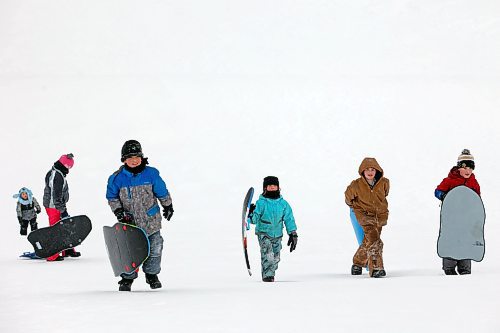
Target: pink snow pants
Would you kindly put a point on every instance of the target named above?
(54, 217)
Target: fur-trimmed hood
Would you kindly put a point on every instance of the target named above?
(20, 199)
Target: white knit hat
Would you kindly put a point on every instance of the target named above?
(465, 159)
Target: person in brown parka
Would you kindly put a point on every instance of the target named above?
(367, 197)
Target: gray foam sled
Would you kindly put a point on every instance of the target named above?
(461, 234)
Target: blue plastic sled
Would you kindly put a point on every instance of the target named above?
(29, 255)
(360, 234)
(358, 230)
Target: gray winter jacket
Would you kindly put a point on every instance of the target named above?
(138, 194)
(56, 193)
(28, 212)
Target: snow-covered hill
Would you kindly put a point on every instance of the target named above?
(222, 94)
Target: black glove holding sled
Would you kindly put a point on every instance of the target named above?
(64, 214)
(250, 211)
(123, 216)
(168, 211)
(292, 240)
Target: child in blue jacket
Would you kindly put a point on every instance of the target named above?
(269, 214)
(133, 193)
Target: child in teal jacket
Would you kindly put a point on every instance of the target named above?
(269, 214)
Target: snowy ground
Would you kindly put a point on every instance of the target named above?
(221, 94)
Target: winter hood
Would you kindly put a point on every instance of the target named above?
(370, 162)
(20, 199)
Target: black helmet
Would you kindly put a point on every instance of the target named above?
(131, 148)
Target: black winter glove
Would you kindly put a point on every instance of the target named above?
(250, 211)
(168, 211)
(64, 214)
(20, 219)
(123, 216)
(292, 240)
(38, 211)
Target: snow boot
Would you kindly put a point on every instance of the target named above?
(71, 253)
(463, 271)
(152, 280)
(378, 273)
(268, 279)
(356, 270)
(125, 284)
(450, 271)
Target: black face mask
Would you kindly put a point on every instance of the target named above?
(271, 194)
(138, 169)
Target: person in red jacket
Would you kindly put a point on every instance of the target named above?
(461, 174)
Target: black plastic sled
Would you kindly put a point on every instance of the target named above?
(127, 246)
(65, 234)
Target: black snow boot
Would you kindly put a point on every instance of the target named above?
(152, 280)
(125, 284)
(450, 271)
(378, 273)
(463, 271)
(356, 270)
(268, 279)
(72, 253)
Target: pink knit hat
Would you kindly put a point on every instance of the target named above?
(67, 160)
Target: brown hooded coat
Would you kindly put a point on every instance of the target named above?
(369, 204)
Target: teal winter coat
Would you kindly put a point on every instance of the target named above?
(269, 216)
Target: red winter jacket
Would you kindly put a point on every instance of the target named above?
(454, 179)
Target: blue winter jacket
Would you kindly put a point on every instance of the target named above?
(139, 194)
(270, 215)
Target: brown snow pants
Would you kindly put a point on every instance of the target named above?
(370, 250)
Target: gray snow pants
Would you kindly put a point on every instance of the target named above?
(464, 265)
(270, 248)
(152, 265)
